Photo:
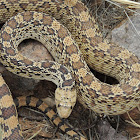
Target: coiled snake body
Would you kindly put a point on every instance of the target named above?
(99, 54)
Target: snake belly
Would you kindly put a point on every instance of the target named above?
(99, 54)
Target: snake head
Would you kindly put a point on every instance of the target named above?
(65, 100)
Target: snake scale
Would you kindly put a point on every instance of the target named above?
(97, 53)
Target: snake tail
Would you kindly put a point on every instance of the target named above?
(42, 106)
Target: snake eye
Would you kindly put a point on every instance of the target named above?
(59, 105)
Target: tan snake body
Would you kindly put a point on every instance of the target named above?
(99, 54)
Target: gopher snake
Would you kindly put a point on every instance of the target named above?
(99, 54)
(9, 122)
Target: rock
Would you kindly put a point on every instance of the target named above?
(127, 36)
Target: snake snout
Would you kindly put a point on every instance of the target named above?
(65, 101)
(64, 111)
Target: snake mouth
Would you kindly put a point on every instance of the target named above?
(64, 111)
